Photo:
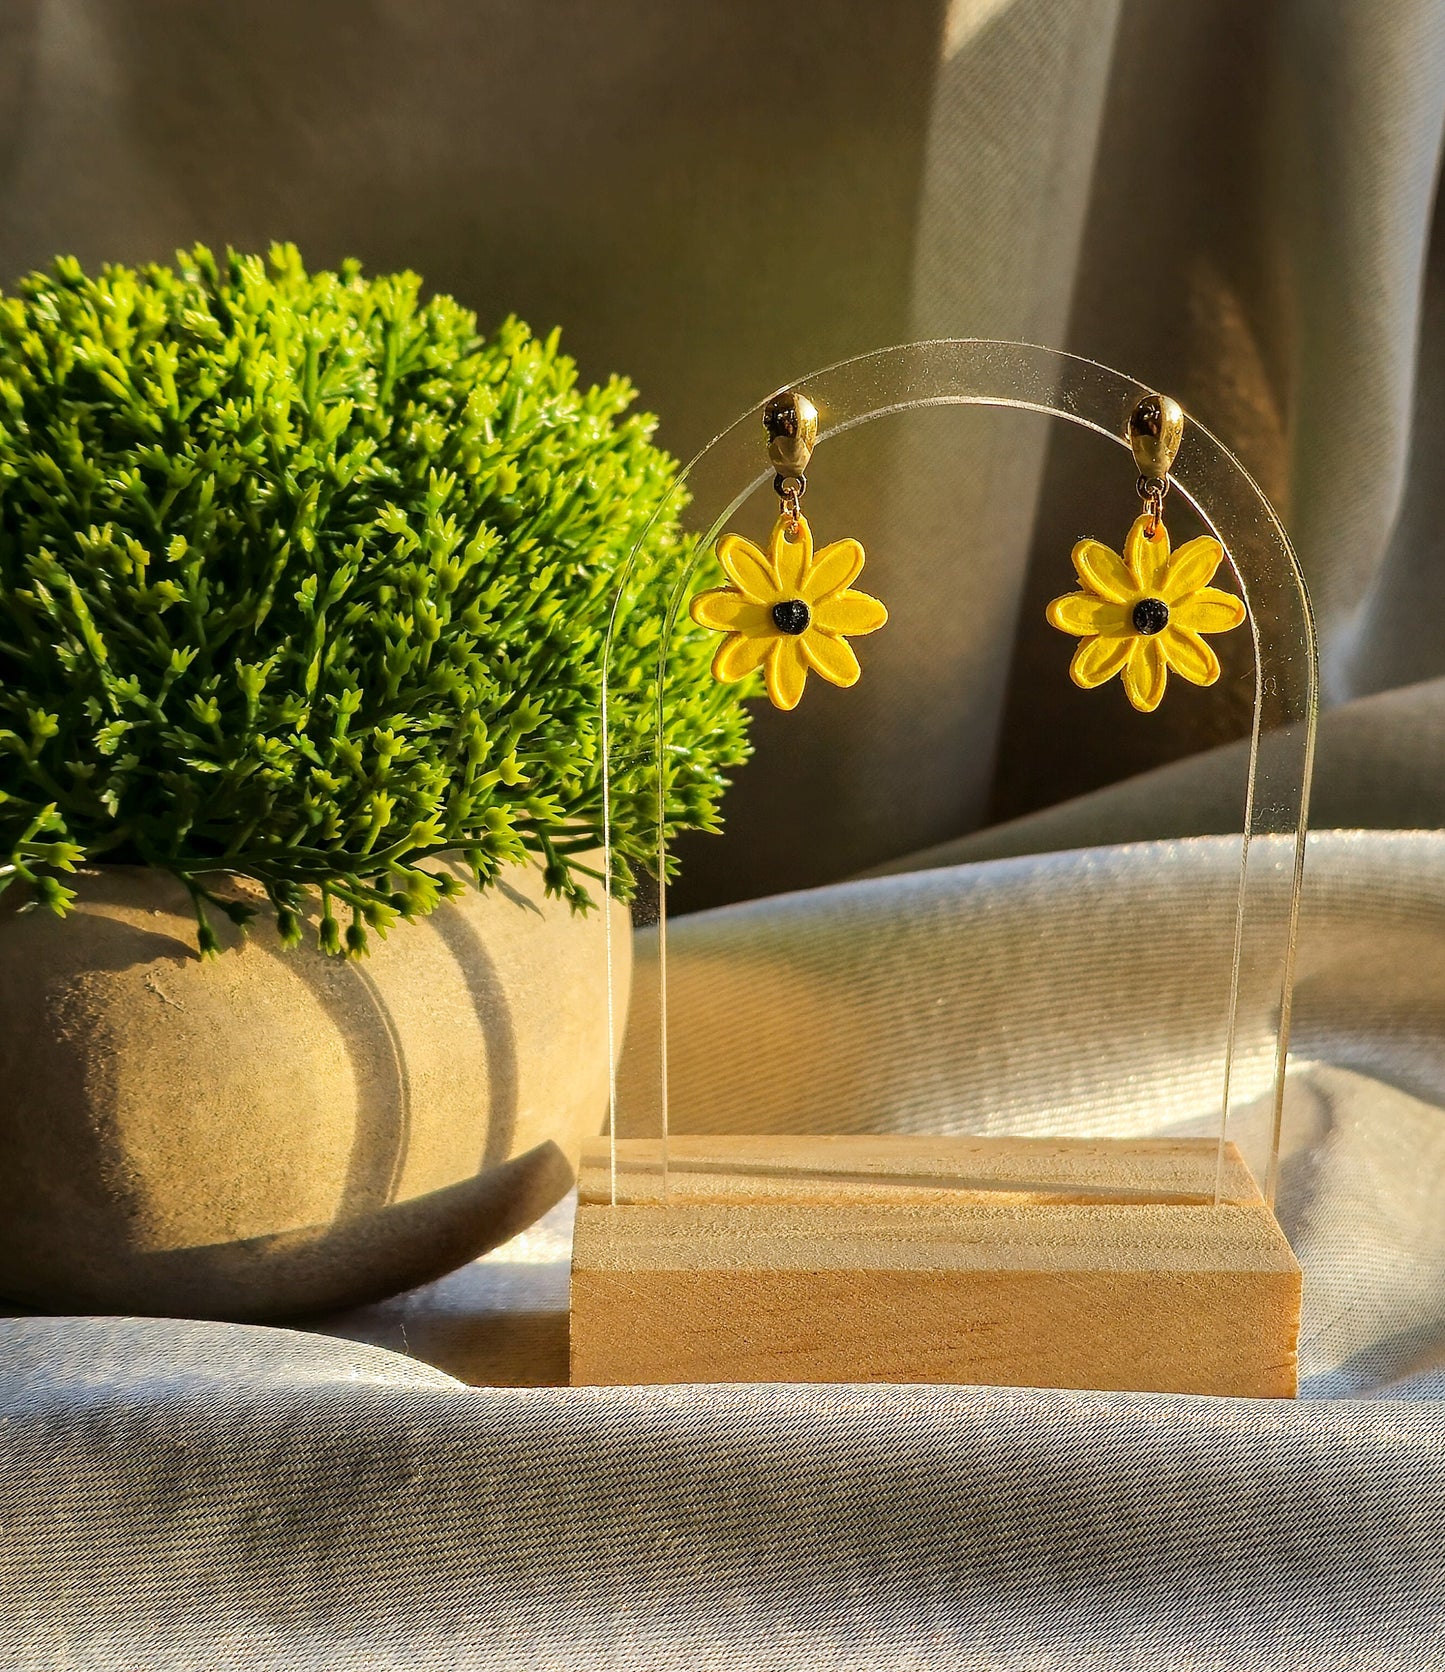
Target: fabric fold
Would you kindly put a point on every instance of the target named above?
(752, 1528)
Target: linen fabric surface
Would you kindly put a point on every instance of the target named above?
(1235, 202)
(198, 1495)
(254, 1498)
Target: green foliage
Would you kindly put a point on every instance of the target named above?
(303, 580)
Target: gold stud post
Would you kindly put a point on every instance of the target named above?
(791, 423)
(1155, 429)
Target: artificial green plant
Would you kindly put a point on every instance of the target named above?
(304, 580)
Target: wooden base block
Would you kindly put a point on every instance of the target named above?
(1007, 1261)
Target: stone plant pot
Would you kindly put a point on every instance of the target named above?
(272, 1133)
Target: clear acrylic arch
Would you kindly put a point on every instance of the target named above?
(1025, 377)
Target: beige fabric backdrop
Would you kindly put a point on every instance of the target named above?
(1234, 201)
(1231, 200)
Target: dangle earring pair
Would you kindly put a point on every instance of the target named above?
(791, 610)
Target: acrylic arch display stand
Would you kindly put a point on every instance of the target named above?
(877, 1259)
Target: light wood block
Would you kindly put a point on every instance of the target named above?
(1007, 1261)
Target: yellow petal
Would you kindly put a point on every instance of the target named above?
(1099, 659)
(849, 612)
(739, 655)
(1103, 572)
(1146, 558)
(1086, 612)
(725, 610)
(834, 568)
(1145, 674)
(1191, 568)
(791, 557)
(833, 658)
(1188, 654)
(748, 569)
(786, 672)
(1208, 611)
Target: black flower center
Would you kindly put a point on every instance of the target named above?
(793, 616)
(1151, 615)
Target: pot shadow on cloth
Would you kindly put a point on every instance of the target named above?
(372, 1256)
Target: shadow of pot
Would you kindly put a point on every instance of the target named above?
(273, 1133)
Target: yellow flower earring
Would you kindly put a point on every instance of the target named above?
(790, 609)
(1146, 613)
